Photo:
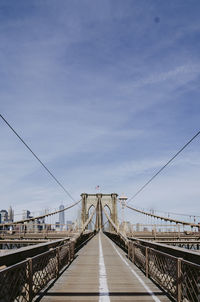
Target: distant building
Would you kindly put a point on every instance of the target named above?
(137, 227)
(26, 214)
(57, 225)
(69, 225)
(40, 224)
(4, 216)
(126, 227)
(35, 225)
(10, 214)
(61, 217)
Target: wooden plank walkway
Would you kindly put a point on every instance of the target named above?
(101, 272)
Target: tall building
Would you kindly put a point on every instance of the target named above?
(4, 216)
(57, 225)
(36, 225)
(41, 224)
(10, 214)
(61, 217)
(26, 214)
(137, 227)
(69, 225)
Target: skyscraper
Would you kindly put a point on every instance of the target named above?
(10, 214)
(4, 216)
(26, 214)
(61, 217)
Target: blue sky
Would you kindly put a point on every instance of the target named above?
(105, 92)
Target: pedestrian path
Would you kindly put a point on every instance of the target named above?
(101, 272)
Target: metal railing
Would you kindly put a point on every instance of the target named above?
(23, 281)
(178, 277)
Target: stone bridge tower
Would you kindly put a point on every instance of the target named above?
(99, 200)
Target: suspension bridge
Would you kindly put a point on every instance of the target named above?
(100, 260)
(98, 263)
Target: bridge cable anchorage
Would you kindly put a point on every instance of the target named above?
(161, 169)
(39, 217)
(123, 237)
(33, 153)
(164, 218)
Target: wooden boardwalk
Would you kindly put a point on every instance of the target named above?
(102, 272)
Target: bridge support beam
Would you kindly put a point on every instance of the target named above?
(99, 217)
(84, 212)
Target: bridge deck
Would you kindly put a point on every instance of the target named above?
(101, 272)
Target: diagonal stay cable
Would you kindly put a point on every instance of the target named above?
(44, 166)
(88, 220)
(161, 169)
(124, 238)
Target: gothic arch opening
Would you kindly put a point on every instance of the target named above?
(106, 223)
(91, 225)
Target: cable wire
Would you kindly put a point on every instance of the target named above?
(161, 169)
(164, 218)
(41, 216)
(171, 213)
(44, 166)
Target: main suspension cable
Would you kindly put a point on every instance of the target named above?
(33, 153)
(164, 218)
(161, 169)
(41, 216)
(153, 211)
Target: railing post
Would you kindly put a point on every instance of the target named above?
(129, 249)
(30, 279)
(57, 262)
(133, 252)
(147, 261)
(178, 279)
(69, 253)
(72, 245)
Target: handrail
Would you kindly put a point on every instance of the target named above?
(177, 276)
(35, 273)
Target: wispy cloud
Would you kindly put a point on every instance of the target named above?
(181, 74)
(102, 93)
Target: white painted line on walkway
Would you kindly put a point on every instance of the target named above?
(135, 274)
(103, 286)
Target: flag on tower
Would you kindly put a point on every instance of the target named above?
(97, 187)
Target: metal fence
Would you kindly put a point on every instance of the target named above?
(178, 277)
(23, 281)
